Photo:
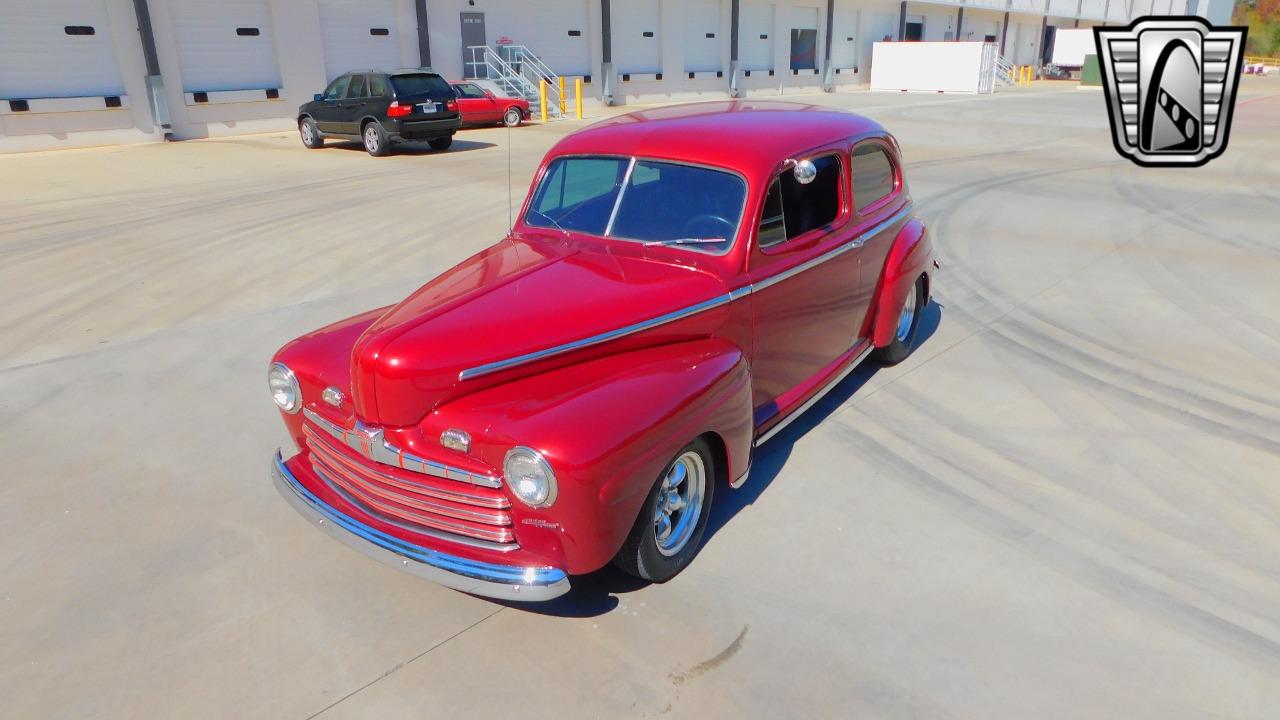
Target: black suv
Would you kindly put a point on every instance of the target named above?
(380, 108)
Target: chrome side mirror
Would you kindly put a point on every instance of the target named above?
(805, 171)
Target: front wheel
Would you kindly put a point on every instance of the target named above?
(669, 530)
(512, 117)
(440, 143)
(310, 134)
(904, 335)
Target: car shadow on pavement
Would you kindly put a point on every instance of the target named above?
(414, 148)
(597, 593)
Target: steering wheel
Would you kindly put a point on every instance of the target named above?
(708, 225)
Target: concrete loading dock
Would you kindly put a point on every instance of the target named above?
(1062, 506)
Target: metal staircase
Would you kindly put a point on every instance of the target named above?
(1005, 72)
(516, 70)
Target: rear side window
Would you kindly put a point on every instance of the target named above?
(873, 176)
(357, 87)
(792, 209)
(421, 84)
(378, 86)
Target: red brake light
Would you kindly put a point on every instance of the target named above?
(450, 104)
(395, 109)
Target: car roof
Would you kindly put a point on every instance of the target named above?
(751, 136)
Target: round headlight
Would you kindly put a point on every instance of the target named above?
(284, 388)
(529, 477)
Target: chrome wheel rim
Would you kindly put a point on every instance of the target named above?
(307, 136)
(908, 315)
(371, 138)
(679, 503)
(513, 118)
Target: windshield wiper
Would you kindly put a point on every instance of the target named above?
(553, 221)
(687, 241)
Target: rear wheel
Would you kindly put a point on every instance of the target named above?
(310, 133)
(669, 530)
(440, 143)
(375, 139)
(512, 117)
(904, 335)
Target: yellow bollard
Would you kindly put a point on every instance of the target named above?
(562, 98)
(577, 97)
(542, 99)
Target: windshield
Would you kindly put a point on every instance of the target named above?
(414, 85)
(643, 200)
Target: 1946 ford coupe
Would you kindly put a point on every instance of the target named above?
(679, 285)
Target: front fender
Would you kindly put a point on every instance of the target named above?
(608, 427)
(907, 260)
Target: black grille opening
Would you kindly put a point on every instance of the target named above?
(379, 31)
(79, 30)
(19, 106)
(248, 32)
(112, 101)
(200, 97)
(273, 94)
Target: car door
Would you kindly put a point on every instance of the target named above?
(475, 105)
(326, 112)
(351, 107)
(804, 276)
(877, 198)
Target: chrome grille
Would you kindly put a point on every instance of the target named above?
(437, 507)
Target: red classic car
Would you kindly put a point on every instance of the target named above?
(681, 283)
(482, 107)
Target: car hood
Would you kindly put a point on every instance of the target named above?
(515, 298)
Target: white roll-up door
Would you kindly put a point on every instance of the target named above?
(557, 31)
(637, 42)
(755, 36)
(844, 37)
(225, 45)
(702, 35)
(359, 35)
(57, 48)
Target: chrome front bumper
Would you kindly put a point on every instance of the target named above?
(506, 582)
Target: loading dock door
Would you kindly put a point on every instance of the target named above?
(225, 45)
(804, 38)
(702, 35)
(57, 49)
(637, 45)
(359, 35)
(755, 36)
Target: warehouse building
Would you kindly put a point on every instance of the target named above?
(89, 72)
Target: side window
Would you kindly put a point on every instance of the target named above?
(772, 229)
(337, 88)
(469, 91)
(378, 86)
(792, 209)
(357, 87)
(873, 175)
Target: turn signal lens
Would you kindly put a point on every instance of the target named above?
(395, 109)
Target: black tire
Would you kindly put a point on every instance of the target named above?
(310, 134)
(512, 117)
(375, 139)
(905, 339)
(440, 143)
(640, 554)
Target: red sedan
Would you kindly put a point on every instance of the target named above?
(680, 284)
(480, 106)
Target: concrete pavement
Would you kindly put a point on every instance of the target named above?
(1064, 504)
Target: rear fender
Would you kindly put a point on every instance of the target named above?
(607, 427)
(908, 259)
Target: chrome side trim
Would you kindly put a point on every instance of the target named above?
(493, 367)
(791, 417)
(506, 582)
(735, 294)
(370, 443)
(738, 481)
